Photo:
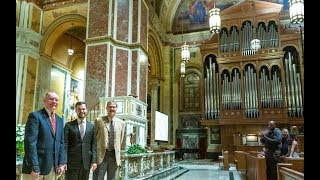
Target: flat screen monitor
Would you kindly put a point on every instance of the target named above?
(161, 127)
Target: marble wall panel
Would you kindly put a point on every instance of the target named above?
(98, 18)
(134, 72)
(96, 74)
(143, 81)
(109, 80)
(36, 15)
(122, 20)
(29, 93)
(58, 85)
(121, 79)
(144, 26)
(43, 81)
(135, 20)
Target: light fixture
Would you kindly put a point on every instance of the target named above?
(255, 44)
(183, 68)
(296, 11)
(214, 19)
(185, 54)
(70, 50)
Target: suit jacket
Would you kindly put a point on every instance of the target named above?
(80, 152)
(102, 137)
(42, 148)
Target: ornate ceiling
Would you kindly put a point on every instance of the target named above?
(172, 12)
(192, 13)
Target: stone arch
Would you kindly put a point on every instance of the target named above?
(57, 28)
(154, 57)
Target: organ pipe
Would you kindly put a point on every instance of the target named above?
(294, 96)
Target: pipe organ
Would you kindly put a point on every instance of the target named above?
(252, 84)
(246, 88)
(293, 86)
(211, 90)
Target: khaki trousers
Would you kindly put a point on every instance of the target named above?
(51, 176)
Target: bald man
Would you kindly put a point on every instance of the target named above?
(272, 142)
(45, 156)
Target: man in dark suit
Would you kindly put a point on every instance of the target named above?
(272, 143)
(81, 145)
(45, 155)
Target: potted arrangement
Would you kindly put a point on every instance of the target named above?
(20, 129)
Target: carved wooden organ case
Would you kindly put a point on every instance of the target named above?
(244, 86)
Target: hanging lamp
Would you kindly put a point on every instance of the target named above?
(296, 11)
(214, 19)
(70, 50)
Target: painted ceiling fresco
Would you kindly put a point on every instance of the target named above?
(194, 13)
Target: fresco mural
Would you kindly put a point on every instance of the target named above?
(192, 15)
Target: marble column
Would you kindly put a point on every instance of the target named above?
(116, 50)
(28, 39)
(154, 106)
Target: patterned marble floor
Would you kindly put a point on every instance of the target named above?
(204, 170)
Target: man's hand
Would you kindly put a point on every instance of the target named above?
(35, 175)
(62, 169)
(93, 167)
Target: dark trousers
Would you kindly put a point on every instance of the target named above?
(109, 165)
(272, 158)
(77, 174)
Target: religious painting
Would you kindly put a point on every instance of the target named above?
(73, 98)
(215, 135)
(58, 84)
(189, 121)
(193, 15)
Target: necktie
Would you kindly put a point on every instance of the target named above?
(81, 130)
(111, 136)
(53, 122)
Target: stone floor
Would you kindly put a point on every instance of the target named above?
(203, 169)
(197, 169)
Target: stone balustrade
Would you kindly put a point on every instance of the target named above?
(145, 164)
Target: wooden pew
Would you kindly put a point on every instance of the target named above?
(240, 160)
(285, 172)
(297, 163)
(227, 159)
(256, 167)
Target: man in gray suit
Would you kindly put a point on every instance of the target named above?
(81, 145)
(45, 156)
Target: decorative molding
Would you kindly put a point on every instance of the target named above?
(28, 40)
(103, 39)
